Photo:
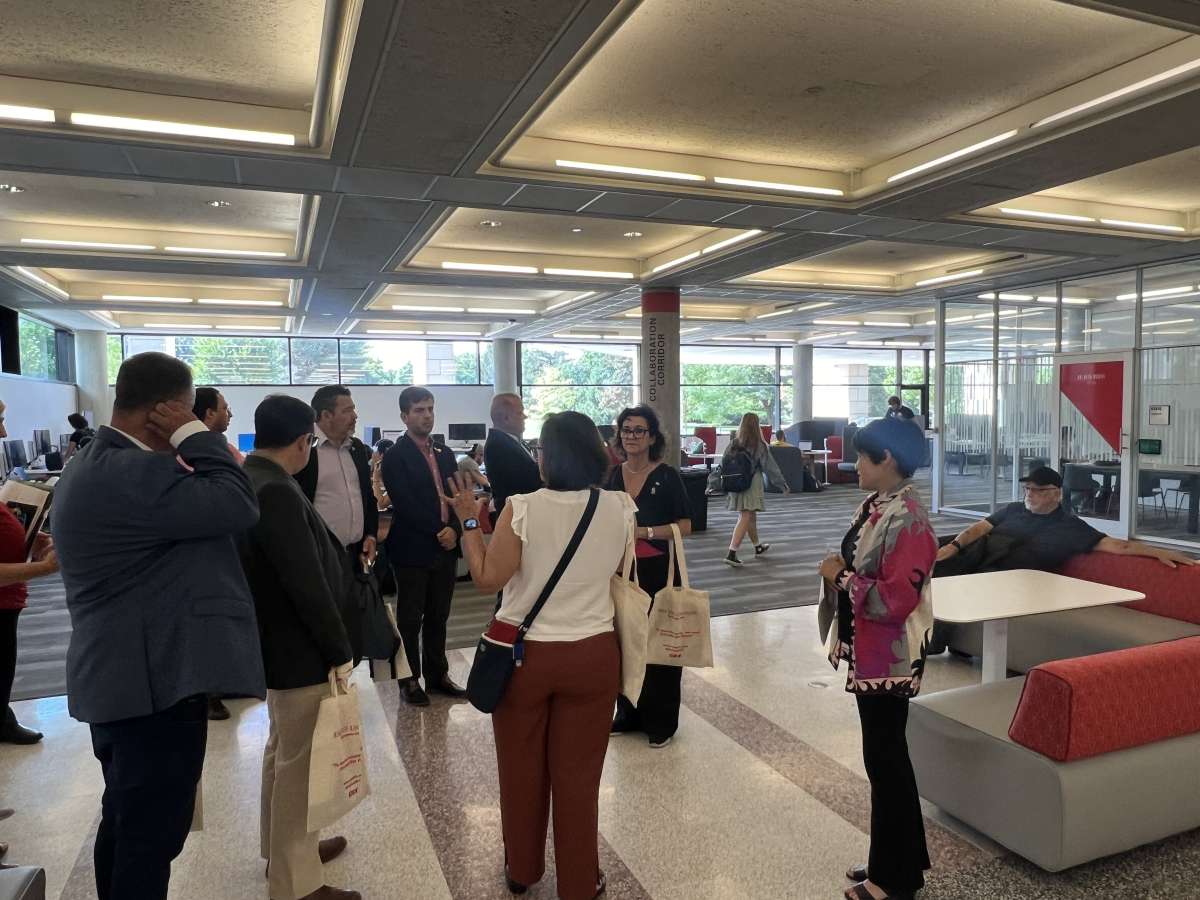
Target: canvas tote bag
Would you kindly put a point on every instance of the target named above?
(631, 608)
(395, 667)
(679, 618)
(337, 770)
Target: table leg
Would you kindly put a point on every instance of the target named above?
(1193, 525)
(995, 650)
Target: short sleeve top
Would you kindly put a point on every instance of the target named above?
(581, 606)
(1042, 541)
(661, 501)
(12, 550)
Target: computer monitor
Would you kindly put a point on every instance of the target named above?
(246, 442)
(41, 441)
(474, 431)
(15, 455)
(439, 439)
(63, 440)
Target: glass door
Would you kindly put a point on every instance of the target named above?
(1092, 426)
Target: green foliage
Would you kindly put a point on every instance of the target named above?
(721, 393)
(116, 355)
(593, 382)
(37, 350)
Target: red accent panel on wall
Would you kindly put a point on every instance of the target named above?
(661, 301)
(1096, 388)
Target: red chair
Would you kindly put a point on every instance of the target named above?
(708, 434)
(768, 433)
(834, 475)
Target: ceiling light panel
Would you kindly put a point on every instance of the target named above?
(214, 251)
(1149, 226)
(588, 273)
(181, 129)
(780, 186)
(677, 261)
(217, 301)
(33, 276)
(1120, 92)
(84, 245)
(955, 277)
(25, 113)
(137, 298)
(511, 311)
(729, 242)
(449, 309)
(490, 267)
(1038, 214)
(950, 157)
(626, 170)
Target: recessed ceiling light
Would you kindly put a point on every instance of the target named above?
(456, 332)
(26, 113)
(950, 157)
(218, 204)
(248, 328)
(1122, 223)
(392, 331)
(183, 129)
(136, 298)
(626, 170)
(1017, 297)
(1070, 300)
(1120, 92)
(490, 267)
(576, 230)
(714, 318)
(778, 312)
(92, 245)
(42, 281)
(674, 262)
(888, 324)
(1159, 292)
(728, 242)
(939, 279)
(865, 343)
(869, 287)
(449, 309)
(592, 337)
(836, 322)
(1038, 214)
(490, 223)
(180, 325)
(633, 234)
(780, 186)
(1167, 322)
(589, 273)
(217, 301)
(212, 251)
(514, 311)
(11, 189)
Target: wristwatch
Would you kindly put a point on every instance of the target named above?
(470, 524)
(957, 545)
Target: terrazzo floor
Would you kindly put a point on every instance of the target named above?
(762, 795)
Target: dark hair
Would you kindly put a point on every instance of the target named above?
(384, 446)
(206, 400)
(904, 440)
(658, 442)
(77, 420)
(279, 420)
(893, 399)
(475, 448)
(325, 399)
(413, 395)
(573, 456)
(149, 378)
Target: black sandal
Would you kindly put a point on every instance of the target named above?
(601, 886)
(857, 873)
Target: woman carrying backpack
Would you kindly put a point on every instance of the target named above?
(746, 460)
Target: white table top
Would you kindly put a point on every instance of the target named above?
(1018, 592)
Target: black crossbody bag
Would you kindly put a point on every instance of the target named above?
(495, 660)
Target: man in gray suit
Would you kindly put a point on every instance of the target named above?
(144, 524)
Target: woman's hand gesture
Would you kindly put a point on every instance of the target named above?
(462, 496)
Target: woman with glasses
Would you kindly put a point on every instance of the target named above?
(661, 501)
(750, 502)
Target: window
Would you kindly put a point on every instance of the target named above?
(597, 380)
(314, 361)
(116, 355)
(1170, 314)
(39, 357)
(721, 384)
(410, 362)
(854, 384)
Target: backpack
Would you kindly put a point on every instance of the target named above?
(737, 473)
(85, 438)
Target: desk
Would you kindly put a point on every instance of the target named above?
(824, 461)
(1189, 480)
(995, 597)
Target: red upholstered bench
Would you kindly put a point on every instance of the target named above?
(1173, 593)
(1072, 709)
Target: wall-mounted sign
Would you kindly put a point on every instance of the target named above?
(1150, 446)
(1160, 414)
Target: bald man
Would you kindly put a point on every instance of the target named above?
(510, 466)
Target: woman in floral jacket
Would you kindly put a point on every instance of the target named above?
(876, 614)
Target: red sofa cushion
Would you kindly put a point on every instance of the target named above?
(1075, 708)
(833, 444)
(1173, 593)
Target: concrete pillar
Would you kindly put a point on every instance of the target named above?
(660, 362)
(504, 355)
(899, 373)
(802, 383)
(91, 376)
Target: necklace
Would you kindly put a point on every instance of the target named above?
(632, 471)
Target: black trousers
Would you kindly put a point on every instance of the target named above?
(423, 598)
(898, 855)
(151, 767)
(657, 709)
(8, 658)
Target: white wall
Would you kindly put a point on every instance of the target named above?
(376, 404)
(37, 404)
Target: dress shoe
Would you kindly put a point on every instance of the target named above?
(449, 688)
(331, 848)
(514, 887)
(412, 693)
(3, 849)
(325, 892)
(217, 711)
(13, 732)
(6, 813)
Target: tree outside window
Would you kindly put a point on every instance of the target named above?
(39, 358)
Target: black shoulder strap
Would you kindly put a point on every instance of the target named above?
(568, 555)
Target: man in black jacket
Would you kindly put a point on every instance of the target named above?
(294, 566)
(510, 467)
(337, 478)
(422, 546)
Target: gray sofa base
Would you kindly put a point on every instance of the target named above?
(1033, 640)
(1056, 815)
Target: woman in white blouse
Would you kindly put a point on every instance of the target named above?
(552, 725)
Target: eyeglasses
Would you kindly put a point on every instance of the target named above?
(634, 432)
(1043, 489)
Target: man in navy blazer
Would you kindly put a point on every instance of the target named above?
(422, 546)
(161, 616)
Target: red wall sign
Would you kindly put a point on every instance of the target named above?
(1097, 390)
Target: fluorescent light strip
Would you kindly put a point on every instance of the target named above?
(1159, 292)
(1037, 214)
(211, 251)
(954, 277)
(248, 328)
(888, 324)
(729, 242)
(1069, 301)
(674, 262)
(178, 325)
(589, 337)
(392, 331)
(778, 312)
(865, 343)
(869, 287)
(26, 113)
(136, 298)
(626, 170)
(105, 318)
(780, 186)
(489, 267)
(1122, 223)
(950, 157)
(1120, 92)
(183, 129)
(94, 245)
(1167, 322)
(714, 318)
(587, 273)
(42, 281)
(1017, 297)
(836, 322)
(449, 309)
(455, 333)
(217, 301)
(554, 306)
(902, 344)
(513, 311)
(689, 330)
(817, 305)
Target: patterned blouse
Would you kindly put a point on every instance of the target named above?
(887, 596)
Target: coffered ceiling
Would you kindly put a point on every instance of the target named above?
(387, 168)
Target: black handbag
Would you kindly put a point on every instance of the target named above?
(496, 660)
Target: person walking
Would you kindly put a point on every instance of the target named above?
(552, 725)
(15, 571)
(161, 616)
(876, 613)
(749, 450)
(294, 566)
(657, 491)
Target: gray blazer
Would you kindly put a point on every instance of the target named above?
(159, 607)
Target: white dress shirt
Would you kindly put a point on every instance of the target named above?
(339, 495)
(182, 433)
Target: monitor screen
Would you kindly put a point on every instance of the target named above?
(246, 442)
(41, 441)
(14, 453)
(475, 431)
(439, 439)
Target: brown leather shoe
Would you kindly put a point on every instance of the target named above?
(331, 848)
(325, 892)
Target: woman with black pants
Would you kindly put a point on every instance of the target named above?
(878, 611)
(658, 491)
